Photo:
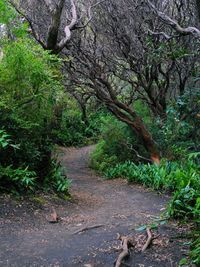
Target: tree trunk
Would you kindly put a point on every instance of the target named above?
(84, 115)
(132, 119)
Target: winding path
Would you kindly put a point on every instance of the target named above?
(28, 239)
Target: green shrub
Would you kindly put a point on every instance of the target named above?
(71, 130)
(194, 255)
(29, 88)
(57, 179)
(99, 160)
(184, 179)
(17, 179)
(117, 144)
(179, 134)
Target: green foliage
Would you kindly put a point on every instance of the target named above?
(179, 134)
(30, 86)
(10, 22)
(4, 139)
(17, 179)
(99, 160)
(194, 256)
(69, 127)
(184, 179)
(6, 12)
(57, 178)
(117, 145)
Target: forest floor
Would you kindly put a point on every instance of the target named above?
(28, 239)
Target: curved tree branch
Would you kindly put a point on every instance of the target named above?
(173, 23)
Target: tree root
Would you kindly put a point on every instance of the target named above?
(149, 239)
(88, 228)
(127, 242)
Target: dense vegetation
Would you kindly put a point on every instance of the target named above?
(137, 95)
(119, 155)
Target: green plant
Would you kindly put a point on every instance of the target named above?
(4, 139)
(19, 179)
(57, 179)
(117, 144)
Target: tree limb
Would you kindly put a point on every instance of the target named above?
(173, 23)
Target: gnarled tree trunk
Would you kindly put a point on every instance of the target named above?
(133, 120)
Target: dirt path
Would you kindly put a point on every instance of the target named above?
(28, 239)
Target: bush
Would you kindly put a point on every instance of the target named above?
(71, 130)
(184, 179)
(117, 144)
(29, 89)
(179, 134)
(16, 179)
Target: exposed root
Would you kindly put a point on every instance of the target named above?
(149, 239)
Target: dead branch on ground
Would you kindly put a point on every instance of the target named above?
(149, 239)
(88, 228)
(127, 242)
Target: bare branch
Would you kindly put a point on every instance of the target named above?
(173, 23)
(69, 27)
(90, 15)
(166, 36)
(73, 23)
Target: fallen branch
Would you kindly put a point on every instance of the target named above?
(149, 239)
(127, 242)
(88, 228)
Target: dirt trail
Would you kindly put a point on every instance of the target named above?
(28, 239)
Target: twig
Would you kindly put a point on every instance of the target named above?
(149, 239)
(88, 228)
(129, 146)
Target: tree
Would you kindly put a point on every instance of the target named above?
(59, 17)
(123, 54)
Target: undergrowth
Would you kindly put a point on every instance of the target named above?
(181, 178)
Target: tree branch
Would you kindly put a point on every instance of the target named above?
(173, 23)
(68, 28)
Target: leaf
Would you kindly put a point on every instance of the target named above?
(141, 228)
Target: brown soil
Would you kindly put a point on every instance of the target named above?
(28, 239)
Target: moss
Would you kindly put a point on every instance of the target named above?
(39, 200)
